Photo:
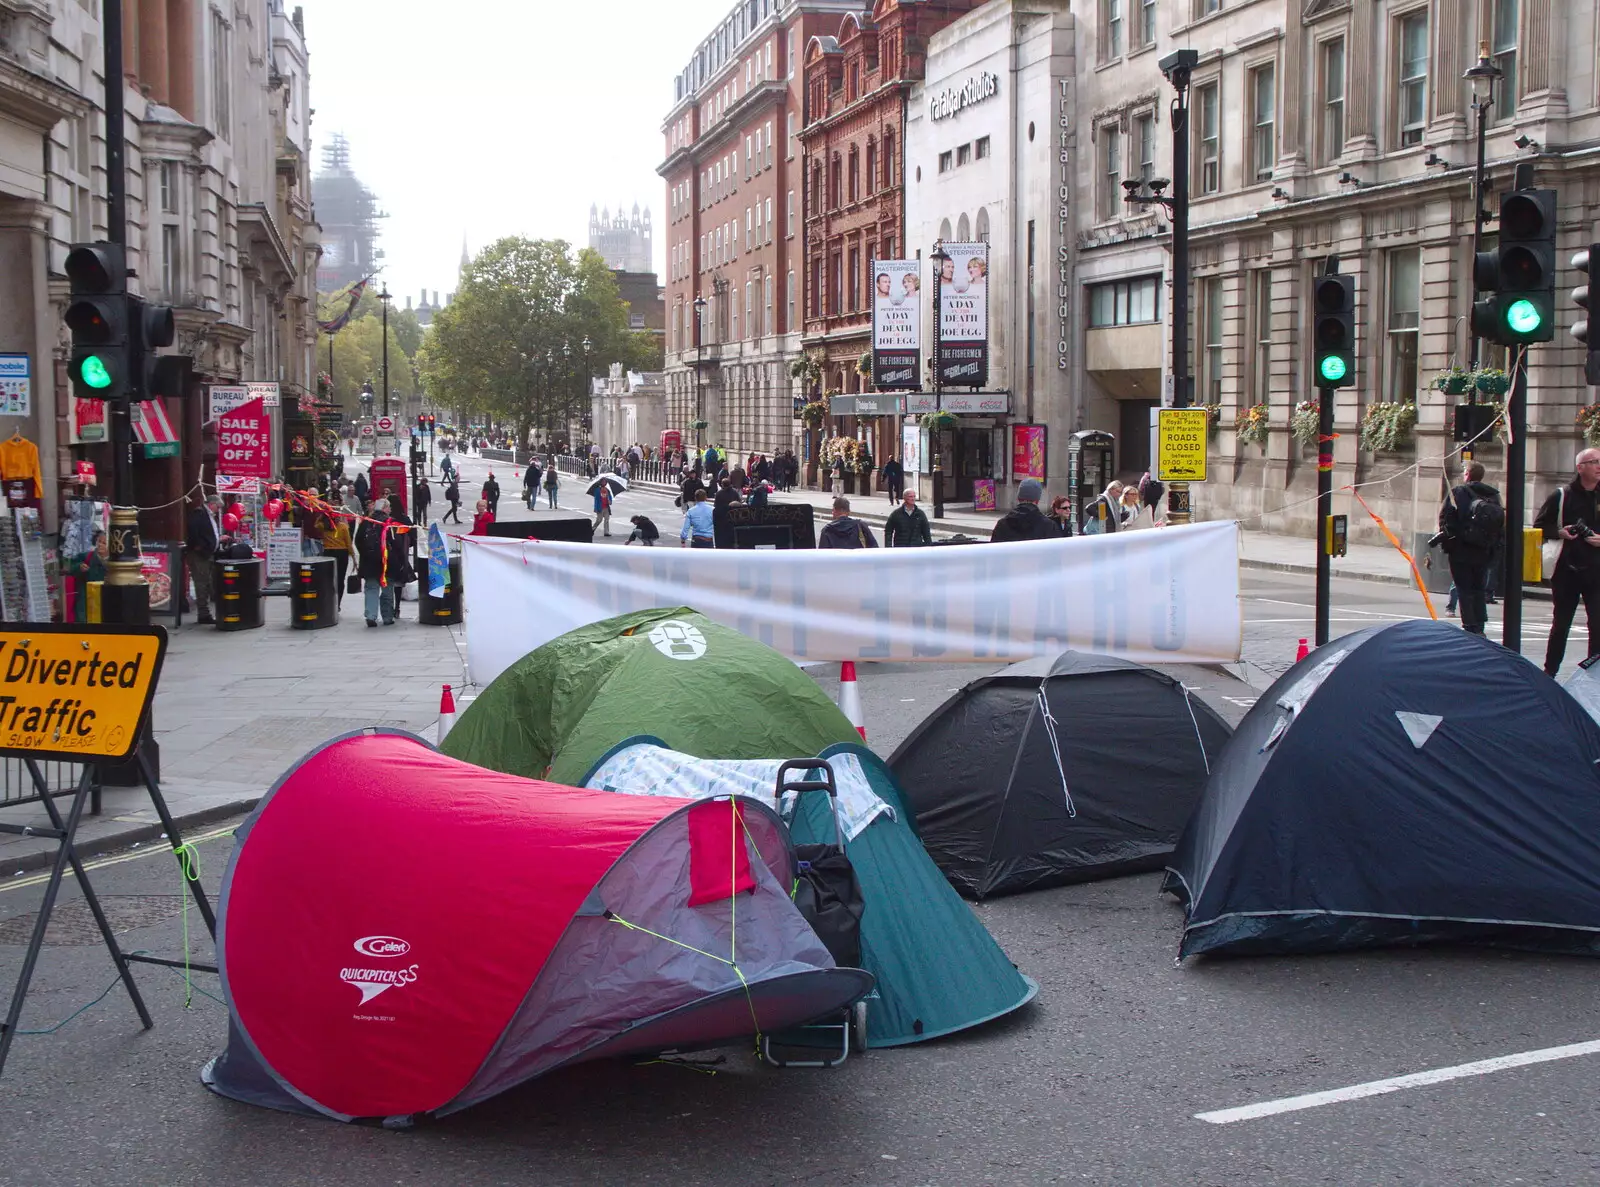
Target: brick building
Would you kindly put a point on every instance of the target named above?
(856, 84)
(733, 176)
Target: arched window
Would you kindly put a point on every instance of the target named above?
(816, 189)
(888, 160)
(833, 183)
(981, 226)
(855, 174)
(963, 230)
(944, 231)
(872, 164)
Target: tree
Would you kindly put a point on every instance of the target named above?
(358, 350)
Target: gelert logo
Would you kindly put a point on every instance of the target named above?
(676, 639)
(387, 946)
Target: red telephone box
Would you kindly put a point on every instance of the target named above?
(671, 440)
(391, 481)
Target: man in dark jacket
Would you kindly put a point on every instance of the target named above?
(203, 535)
(491, 494)
(894, 478)
(727, 494)
(1572, 515)
(421, 496)
(1470, 531)
(363, 488)
(908, 524)
(1025, 521)
(452, 495)
(843, 531)
(380, 599)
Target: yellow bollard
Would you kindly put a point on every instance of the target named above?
(1532, 566)
(91, 600)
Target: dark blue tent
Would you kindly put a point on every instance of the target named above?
(1406, 784)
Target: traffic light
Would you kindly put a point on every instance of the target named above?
(150, 328)
(1518, 278)
(97, 315)
(1587, 297)
(1334, 330)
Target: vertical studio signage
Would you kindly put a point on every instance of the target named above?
(244, 442)
(896, 324)
(1063, 220)
(963, 315)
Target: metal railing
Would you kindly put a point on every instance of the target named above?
(60, 778)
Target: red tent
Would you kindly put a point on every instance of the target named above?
(402, 933)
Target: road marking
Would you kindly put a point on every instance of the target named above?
(1333, 1096)
(155, 847)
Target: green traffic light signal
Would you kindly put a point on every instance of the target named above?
(94, 373)
(1332, 368)
(1523, 317)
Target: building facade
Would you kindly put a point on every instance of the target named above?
(219, 211)
(624, 243)
(348, 214)
(856, 85)
(734, 235)
(1326, 128)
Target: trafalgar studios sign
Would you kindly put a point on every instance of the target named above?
(896, 324)
(946, 104)
(963, 313)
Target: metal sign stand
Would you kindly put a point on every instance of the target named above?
(64, 831)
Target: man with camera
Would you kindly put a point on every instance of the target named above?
(1571, 515)
(1470, 522)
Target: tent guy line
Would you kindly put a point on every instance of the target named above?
(119, 859)
(1460, 1071)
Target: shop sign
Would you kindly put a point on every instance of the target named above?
(227, 485)
(878, 405)
(76, 692)
(88, 423)
(16, 385)
(83, 472)
(841, 405)
(267, 392)
(244, 442)
(159, 449)
(953, 100)
(283, 549)
(919, 402)
(976, 403)
(1063, 219)
(1181, 444)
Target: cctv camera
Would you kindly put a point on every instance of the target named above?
(1177, 66)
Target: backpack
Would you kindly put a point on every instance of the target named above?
(1481, 523)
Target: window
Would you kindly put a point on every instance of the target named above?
(1504, 48)
(1111, 172)
(837, 289)
(1262, 363)
(788, 323)
(766, 306)
(888, 161)
(963, 230)
(855, 278)
(170, 270)
(749, 309)
(749, 228)
(769, 220)
(747, 158)
(980, 225)
(758, 150)
(221, 76)
(1144, 130)
(980, 149)
(789, 224)
(169, 188)
(767, 160)
(1112, 46)
(1212, 311)
(871, 174)
(791, 135)
(963, 155)
(946, 161)
(1405, 322)
(1413, 89)
(1206, 7)
(1147, 22)
(888, 247)
(1123, 302)
(833, 184)
(855, 176)
(1210, 140)
(1263, 108)
(814, 297)
(1332, 100)
(760, 232)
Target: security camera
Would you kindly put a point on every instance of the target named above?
(1178, 65)
(1131, 186)
(1158, 185)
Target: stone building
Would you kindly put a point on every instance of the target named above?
(219, 211)
(734, 235)
(1317, 128)
(623, 242)
(856, 85)
(348, 214)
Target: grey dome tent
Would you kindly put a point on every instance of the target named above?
(1405, 784)
(1057, 769)
(1584, 686)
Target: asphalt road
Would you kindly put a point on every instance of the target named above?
(1096, 1082)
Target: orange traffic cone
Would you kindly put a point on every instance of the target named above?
(1301, 652)
(447, 713)
(850, 697)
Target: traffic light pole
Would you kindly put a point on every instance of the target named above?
(1516, 498)
(1324, 510)
(1176, 67)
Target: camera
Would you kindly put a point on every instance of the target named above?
(1581, 530)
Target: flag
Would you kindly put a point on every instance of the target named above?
(438, 562)
(335, 324)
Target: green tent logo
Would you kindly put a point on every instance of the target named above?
(677, 639)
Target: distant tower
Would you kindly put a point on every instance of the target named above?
(466, 259)
(623, 240)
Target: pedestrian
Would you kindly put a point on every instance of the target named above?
(907, 526)
(530, 485)
(336, 543)
(447, 468)
(1105, 513)
(698, 531)
(1572, 515)
(363, 488)
(758, 494)
(1060, 514)
(837, 472)
(452, 495)
(422, 497)
(482, 517)
(894, 478)
(843, 531)
(727, 494)
(201, 540)
(371, 540)
(1152, 491)
(1025, 521)
(602, 507)
(491, 492)
(1135, 514)
(401, 539)
(551, 482)
(644, 531)
(1470, 521)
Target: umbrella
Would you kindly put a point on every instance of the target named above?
(617, 481)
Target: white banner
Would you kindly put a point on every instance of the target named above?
(1165, 596)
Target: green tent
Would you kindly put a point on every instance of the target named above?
(671, 673)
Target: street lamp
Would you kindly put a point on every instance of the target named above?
(584, 387)
(1482, 76)
(940, 258)
(699, 365)
(385, 296)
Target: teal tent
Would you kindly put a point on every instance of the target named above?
(938, 969)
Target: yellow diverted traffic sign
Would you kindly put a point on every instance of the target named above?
(1181, 444)
(78, 692)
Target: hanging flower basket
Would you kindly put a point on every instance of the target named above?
(1305, 422)
(1213, 420)
(1498, 432)
(1492, 382)
(807, 367)
(698, 425)
(1386, 426)
(1454, 382)
(864, 363)
(938, 422)
(813, 414)
(1252, 425)
(1589, 422)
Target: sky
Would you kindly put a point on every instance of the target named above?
(486, 118)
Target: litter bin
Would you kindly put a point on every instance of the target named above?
(444, 610)
(238, 586)
(313, 600)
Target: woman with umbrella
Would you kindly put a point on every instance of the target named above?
(603, 489)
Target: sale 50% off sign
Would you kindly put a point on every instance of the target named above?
(244, 441)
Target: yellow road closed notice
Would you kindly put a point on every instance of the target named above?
(1181, 444)
(76, 691)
